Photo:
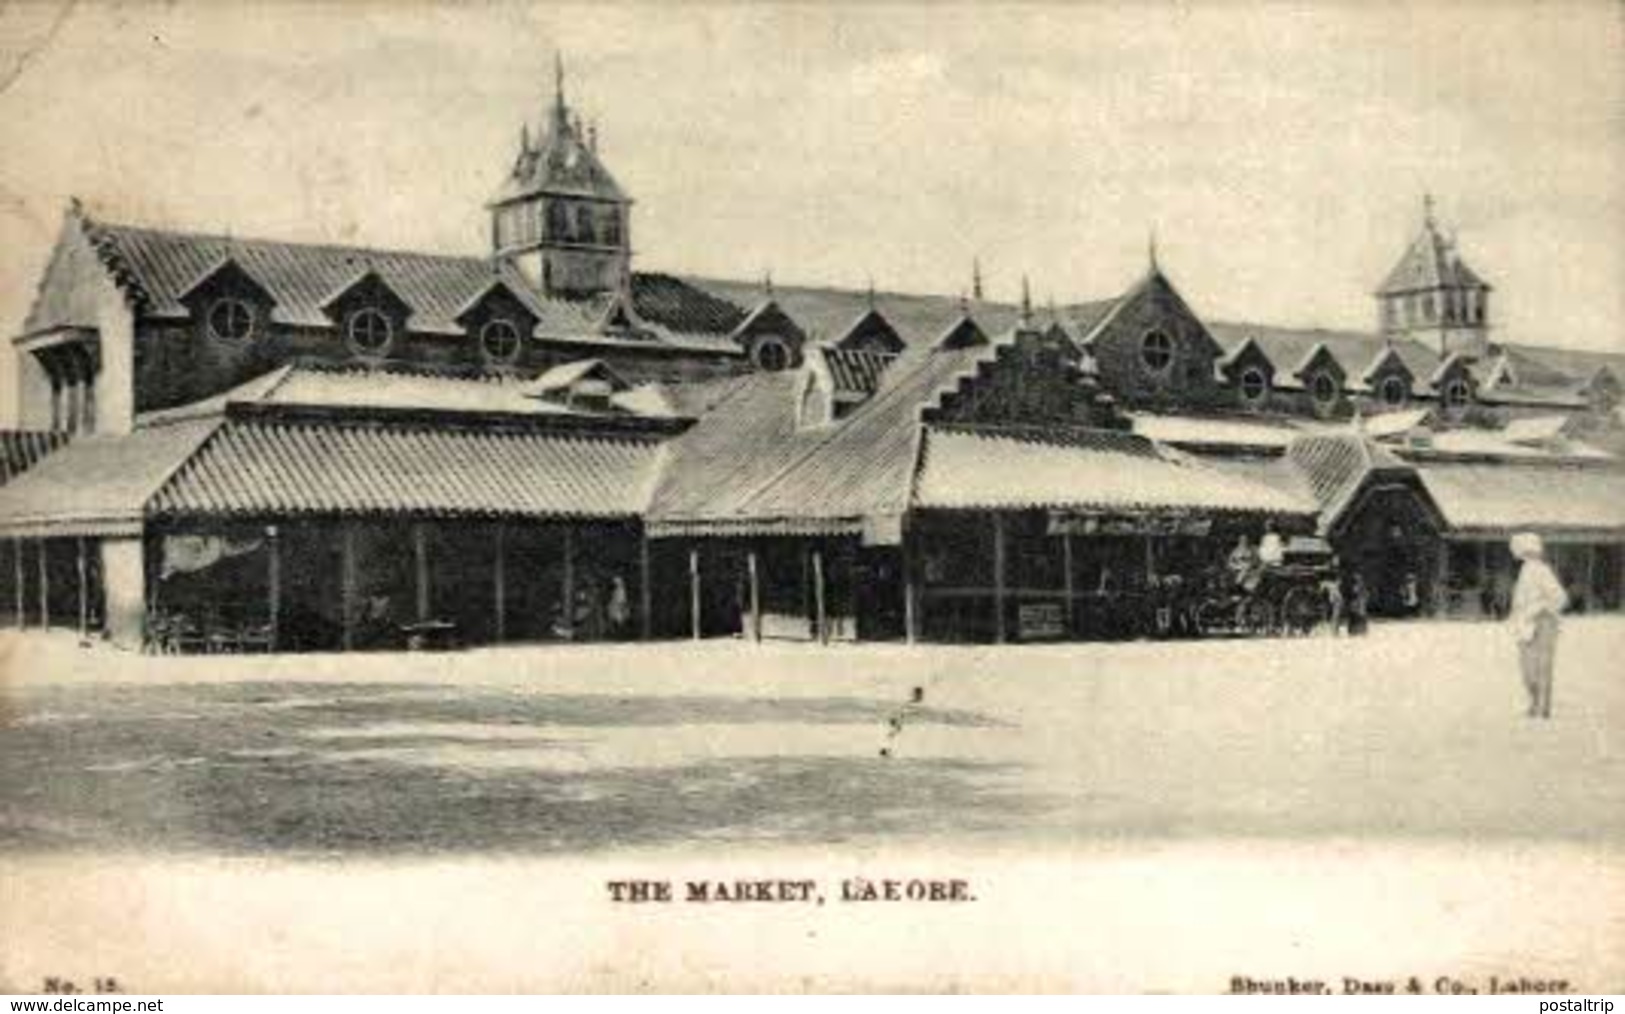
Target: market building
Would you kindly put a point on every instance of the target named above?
(244, 444)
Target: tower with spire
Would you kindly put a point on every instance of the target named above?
(1433, 296)
(560, 217)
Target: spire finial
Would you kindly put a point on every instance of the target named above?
(1151, 249)
(558, 78)
(1427, 210)
(976, 278)
(871, 291)
(767, 283)
(592, 135)
(964, 304)
(1026, 301)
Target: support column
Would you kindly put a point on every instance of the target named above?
(646, 600)
(273, 587)
(1591, 576)
(999, 632)
(84, 593)
(22, 583)
(911, 593)
(347, 583)
(569, 589)
(1483, 571)
(1070, 584)
(820, 608)
(752, 569)
(44, 584)
(499, 579)
(420, 568)
(694, 592)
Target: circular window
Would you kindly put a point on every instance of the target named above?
(1254, 385)
(231, 320)
(1157, 351)
(1325, 389)
(370, 332)
(1393, 391)
(772, 354)
(1457, 393)
(499, 339)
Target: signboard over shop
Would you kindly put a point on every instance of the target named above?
(1076, 523)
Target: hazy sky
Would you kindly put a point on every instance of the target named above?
(1280, 150)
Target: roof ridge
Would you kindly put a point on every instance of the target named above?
(231, 238)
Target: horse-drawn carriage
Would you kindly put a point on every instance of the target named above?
(1289, 598)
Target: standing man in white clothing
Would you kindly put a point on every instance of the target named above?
(1537, 602)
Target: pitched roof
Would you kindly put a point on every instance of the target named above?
(1335, 467)
(99, 484)
(984, 468)
(1504, 498)
(357, 389)
(855, 371)
(21, 449)
(1430, 262)
(827, 313)
(561, 162)
(965, 332)
(1217, 431)
(312, 467)
(1358, 352)
(159, 266)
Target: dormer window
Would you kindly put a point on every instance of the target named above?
(771, 354)
(1157, 351)
(499, 340)
(230, 320)
(1457, 394)
(1393, 391)
(1254, 384)
(1324, 389)
(370, 332)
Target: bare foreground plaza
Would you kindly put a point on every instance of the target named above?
(1374, 807)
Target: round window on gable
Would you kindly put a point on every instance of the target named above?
(1157, 351)
(1393, 391)
(231, 320)
(1324, 389)
(1254, 385)
(1457, 394)
(499, 340)
(370, 332)
(771, 354)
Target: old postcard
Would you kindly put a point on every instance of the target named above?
(1103, 498)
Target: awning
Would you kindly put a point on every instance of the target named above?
(270, 468)
(1093, 470)
(98, 485)
(1507, 497)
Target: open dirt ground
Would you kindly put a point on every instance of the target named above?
(1130, 816)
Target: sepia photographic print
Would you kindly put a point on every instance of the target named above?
(1102, 497)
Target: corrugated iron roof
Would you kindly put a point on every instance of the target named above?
(985, 469)
(856, 371)
(293, 468)
(1197, 431)
(99, 484)
(1504, 497)
(21, 449)
(159, 266)
(827, 313)
(323, 386)
(1288, 348)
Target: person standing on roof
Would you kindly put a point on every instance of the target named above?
(1537, 602)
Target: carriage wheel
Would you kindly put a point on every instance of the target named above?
(1303, 610)
(1215, 617)
(1257, 617)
